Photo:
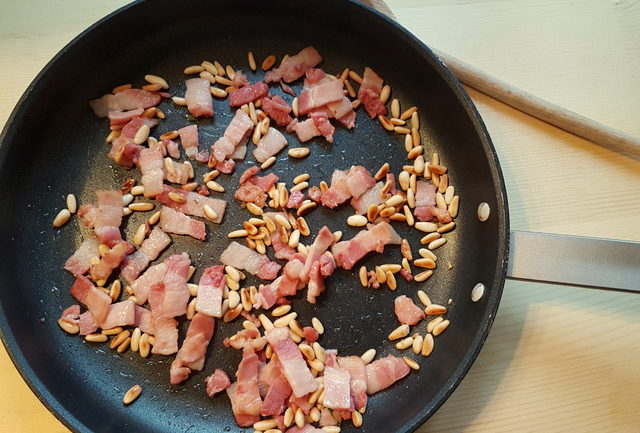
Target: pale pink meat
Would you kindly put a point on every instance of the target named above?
(236, 133)
(176, 172)
(296, 198)
(194, 203)
(321, 120)
(425, 198)
(194, 348)
(277, 109)
(198, 97)
(251, 194)
(176, 292)
(249, 177)
(241, 257)
(294, 366)
(217, 382)
(80, 262)
(347, 253)
(88, 214)
(130, 99)
(246, 399)
(371, 196)
(242, 419)
(150, 249)
(88, 324)
(96, 301)
(120, 314)
(71, 314)
(320, 95)
(189, 140)
(210, 289)
(109, 261)
(407, 312)
(320, 269)
(248, 94)
(384, 372)
(305, 130)
(293, 67)
(337, 392)
(143, 319)
(358, 382)
(151, 165)
(268, 294)
(165, 330)
(276, 396)
(176, 222)
(347, 184)
(322, 242)
(270, 144)
(122, 117)
(109, 215)
(369, 93)
(141, 286)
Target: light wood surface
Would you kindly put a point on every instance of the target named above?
(558, 358)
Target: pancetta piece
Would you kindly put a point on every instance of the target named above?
(152, 167)
(194, 348)
(384, 372)
(294, 366)
(198, 97)
(172, 221)
(193, 204)
(241, 257)
(150, 249)
(80, 262)
(217, 382)
(210, 290)
(269, 145)
(130, 99)
(369, 93)
(407, 312)
(347, 253)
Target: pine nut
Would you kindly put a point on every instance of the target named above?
(435, 310)
(96, 338)
(408, 113)
(400, 332)
(386, 123)
(214, 186)
(141, 207)
(357, 221)
(391, 280)
(68, 327)
(437, 243)
(132, 394)
(405, 343)
(299, 152)
(427, 345)
(477, 292)
(364, 280)
(417, 344)
(423, 276)
(440, 328)
(72, 203)
(385, 93)
(483, 211)
(268, 62)
(430, 238)
(62, 218)
(425, 263)
(382, 171)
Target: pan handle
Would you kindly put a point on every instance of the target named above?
(573, 260)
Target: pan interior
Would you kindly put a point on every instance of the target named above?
(54, 145)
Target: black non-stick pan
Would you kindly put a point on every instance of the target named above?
(54, 145)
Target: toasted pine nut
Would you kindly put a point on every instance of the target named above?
(152, 87)
(281, 310)
(382, 171)
(299, 152)
(425, 263)
(62, 218)
(154, 79)
(386, 123)
(317, 325)
(391, 280)
(427, 345)
(180, 101)
(395, 108)
(385, 93)
(191, 70)
(423, 276)
(141, 207)
(218, 93)
(430, 238)
(238, 234)
(68, 327)
(436, 243)
(415, 152)
(424, 298)
(368, 356)
(96, 338)
(356, 419)
(303, 226)
(405, 343)
(364, 279)
(435, 310)
(119, 339)
(72, 203)
(306, 208)
(400, 332)
(268, 62)
(408, 113)
(355, 77)
(418, 340)
(121, 88)
(132, 394)
(300, 186)
(252, 63)
(440, 328)
(411, 363)
(350, 90)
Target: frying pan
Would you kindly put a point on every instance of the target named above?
(54, 145)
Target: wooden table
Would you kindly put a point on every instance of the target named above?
(558, 358)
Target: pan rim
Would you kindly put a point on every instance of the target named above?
(67, 418)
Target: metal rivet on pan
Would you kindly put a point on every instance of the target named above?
(477, 292)
(483, 211)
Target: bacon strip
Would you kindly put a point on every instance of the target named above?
(80, 262)
(150, 249)
(96, 301)
(369, 93)
(241, 257)
(189, 140)
(347, 253)
(192, 353)
(198, 97)
(294, 367)
(235, 135)
(152, 168)
(193, 204)
(130, 99)
(176, 222)
(210, 288)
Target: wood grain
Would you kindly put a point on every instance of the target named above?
(558, 358)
